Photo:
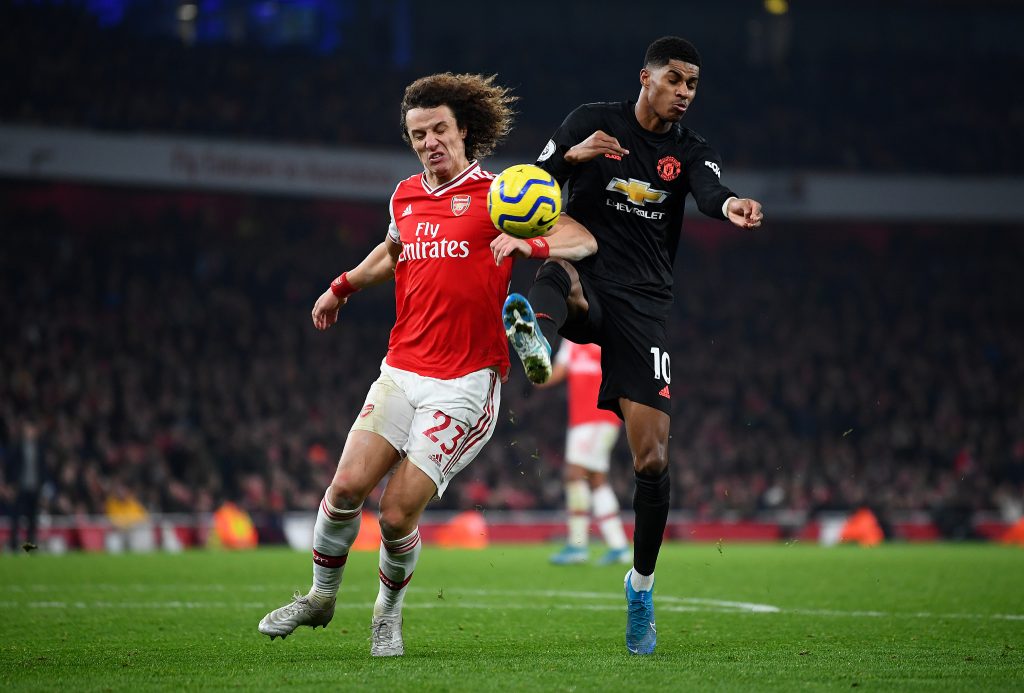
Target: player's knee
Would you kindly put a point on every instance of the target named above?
(396, 522)
(650, 462)
(556, 271)
(343, 493)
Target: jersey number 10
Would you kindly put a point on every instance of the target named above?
(662, 365)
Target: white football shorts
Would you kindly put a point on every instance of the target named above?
(590, 445)
(440, 425)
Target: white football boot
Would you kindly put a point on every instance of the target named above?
(304, 610)
(386, 636)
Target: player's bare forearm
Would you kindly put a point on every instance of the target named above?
(567, 240)
(570, 240)
(378, 267)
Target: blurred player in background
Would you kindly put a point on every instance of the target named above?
(435, 403)
(629, 167)
(588, 450)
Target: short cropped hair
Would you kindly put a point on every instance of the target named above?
(671, 48)
(479, 105)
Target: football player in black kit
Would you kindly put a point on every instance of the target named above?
(629, 167)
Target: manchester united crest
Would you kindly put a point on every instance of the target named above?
(460, 203)
(669, 168)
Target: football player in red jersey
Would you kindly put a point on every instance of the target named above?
(588, 449)
(435, 403)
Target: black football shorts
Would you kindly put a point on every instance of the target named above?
(635, 361)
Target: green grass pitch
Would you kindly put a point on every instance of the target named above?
(767, 617)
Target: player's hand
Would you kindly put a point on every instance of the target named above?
(325, 310)
(505, 245)
(745, 213)
(594, 146)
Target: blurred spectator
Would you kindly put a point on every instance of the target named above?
(132, 529)
(123, 509)
(27, 471)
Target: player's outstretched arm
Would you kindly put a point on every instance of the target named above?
(376, 268)
(744, 212)
(567, 239)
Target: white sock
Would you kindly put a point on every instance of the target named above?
(333, 534)
(606, 514)
(641, 583)
(577, 505)
(397, 562)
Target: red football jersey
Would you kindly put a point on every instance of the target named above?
(448, 291)
(584, 364)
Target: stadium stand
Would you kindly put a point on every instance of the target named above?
(162, 338)
(779, 91)
(166, 339)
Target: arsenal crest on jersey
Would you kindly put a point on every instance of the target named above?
(669, 168)
(460, 203)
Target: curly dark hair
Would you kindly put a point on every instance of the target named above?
(479, 105)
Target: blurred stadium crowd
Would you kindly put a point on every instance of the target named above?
(164, 343)
(894, 91)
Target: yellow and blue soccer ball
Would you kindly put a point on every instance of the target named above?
(524, 201)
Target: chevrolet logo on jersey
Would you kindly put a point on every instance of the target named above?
(639, 192)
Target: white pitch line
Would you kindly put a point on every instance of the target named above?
(453, 600)
(188, 605)
(146, 587)
(718, 604)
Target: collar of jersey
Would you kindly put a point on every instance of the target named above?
(454, 182)
(634, 124)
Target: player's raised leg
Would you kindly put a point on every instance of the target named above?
(550, 296)
(366, 459)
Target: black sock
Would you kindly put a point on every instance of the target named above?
(549, 297)
(650, 503)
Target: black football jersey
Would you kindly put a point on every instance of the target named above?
(634, 204)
